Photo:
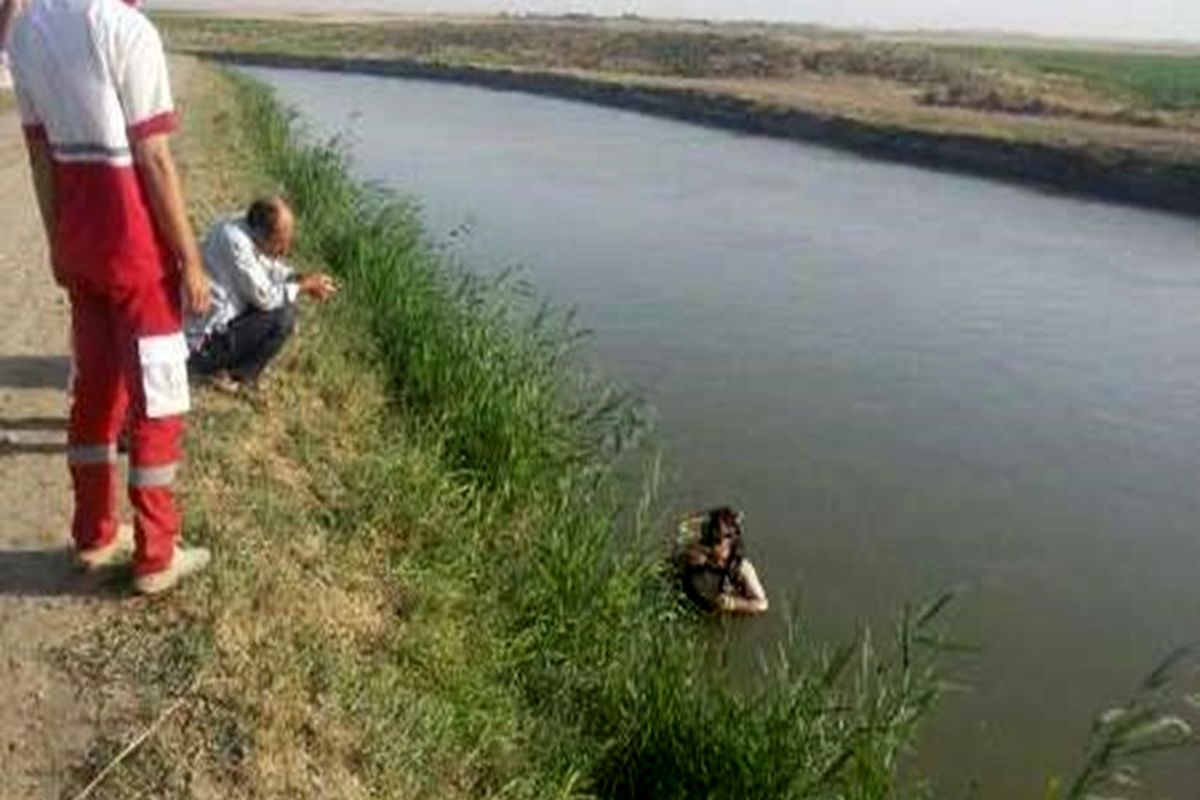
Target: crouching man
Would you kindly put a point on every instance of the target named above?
(254, 296)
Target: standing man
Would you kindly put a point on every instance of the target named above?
(95, 101)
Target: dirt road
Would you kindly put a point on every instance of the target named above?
(44, 727)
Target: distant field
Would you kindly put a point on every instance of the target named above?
(1127, 87)
(1158, 81)
(665, 49)
(1079, 99)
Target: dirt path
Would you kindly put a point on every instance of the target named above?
(44, 728)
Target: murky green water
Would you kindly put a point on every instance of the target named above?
(909, 380)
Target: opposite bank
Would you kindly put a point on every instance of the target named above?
(1117, 175)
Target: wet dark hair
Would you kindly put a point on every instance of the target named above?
(718, 523)
(262, 218)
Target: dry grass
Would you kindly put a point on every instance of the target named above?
(282, 611)
(250, 726)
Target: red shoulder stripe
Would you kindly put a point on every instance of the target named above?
(154, 126)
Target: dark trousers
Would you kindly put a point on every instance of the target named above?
(245, 347)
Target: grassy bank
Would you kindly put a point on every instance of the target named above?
(427, 580)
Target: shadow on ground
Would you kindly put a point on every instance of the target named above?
(47, 424)
(32, 436)
(51, 573)
(34, 372)
(10, 447)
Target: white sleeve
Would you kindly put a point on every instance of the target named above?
(282, 274)
(143, 83)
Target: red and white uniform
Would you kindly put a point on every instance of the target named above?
(91, 80)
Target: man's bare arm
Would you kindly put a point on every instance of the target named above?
(42, 167)
(751, 598)
(157, 165)
(8, 12)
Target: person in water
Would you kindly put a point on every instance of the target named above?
(713, 570)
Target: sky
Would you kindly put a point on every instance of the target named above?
(1123, 19)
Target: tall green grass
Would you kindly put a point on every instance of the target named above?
(614, 687)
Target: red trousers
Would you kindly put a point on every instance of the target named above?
(130, 370)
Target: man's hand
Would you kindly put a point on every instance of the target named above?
(318, 286)
(197, 293)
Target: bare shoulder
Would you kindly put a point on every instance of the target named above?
(752, 586)
(747, 570)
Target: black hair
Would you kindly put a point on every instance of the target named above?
(717, 522)
(262, 218)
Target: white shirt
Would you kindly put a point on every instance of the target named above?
(91, 78)
(243, 279)
(91, 75)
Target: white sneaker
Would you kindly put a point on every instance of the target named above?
(186, 561)
(115, 552)
(5, 75)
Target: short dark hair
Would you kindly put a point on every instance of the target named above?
(263, 216)
(719, 523)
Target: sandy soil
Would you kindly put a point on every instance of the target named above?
(44, 726)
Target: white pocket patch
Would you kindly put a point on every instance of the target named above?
(164, 375)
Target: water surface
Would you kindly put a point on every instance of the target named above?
(909, 380)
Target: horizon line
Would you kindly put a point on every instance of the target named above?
(311, 9)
